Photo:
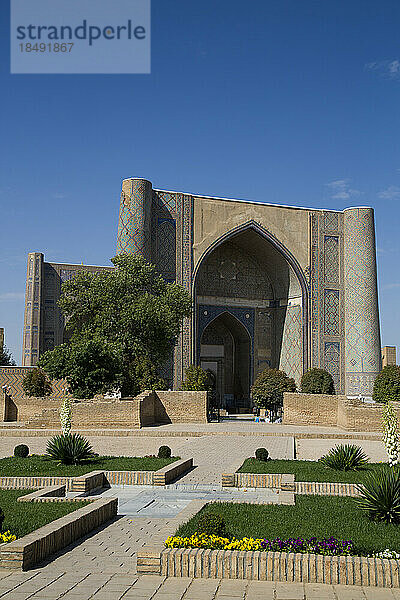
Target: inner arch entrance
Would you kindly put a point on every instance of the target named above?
(251, 312)
(225, 350)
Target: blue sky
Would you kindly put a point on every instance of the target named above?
(285, 102)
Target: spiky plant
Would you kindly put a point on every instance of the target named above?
(391, 434)
(70, 449)
(344, 457)
(380, 495)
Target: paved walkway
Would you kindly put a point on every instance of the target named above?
(84, 584)
(102, 566)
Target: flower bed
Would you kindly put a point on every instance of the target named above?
(327, 546)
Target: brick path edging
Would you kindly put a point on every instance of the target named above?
(97, 479)
(285, 482)
(41, 543)
(277, 566)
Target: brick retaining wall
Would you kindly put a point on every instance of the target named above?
(33, 548)
(333, 411)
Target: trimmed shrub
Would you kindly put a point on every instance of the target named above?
(211, 524)
(317, 381)
(380, 495)
(35, 383)
(262, 454)
(345, 457)
(267, 390)
(21, 451)
(69, 449)
(196, 379)
(164, 452)
(387, 385)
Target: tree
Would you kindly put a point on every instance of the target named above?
(267, 390)
(387, 385)
(6, 359)
(123, 325)
(35, 383)
(317, 381)
(196, 379)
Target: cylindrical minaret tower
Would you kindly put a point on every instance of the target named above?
(134, 218)
(362, 334)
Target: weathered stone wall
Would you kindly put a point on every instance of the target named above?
(334, 411)
(148, 408)
(310, 409)
(181, 406)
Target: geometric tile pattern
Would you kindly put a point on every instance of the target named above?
(331, 312)
(363, 355)
(166, 249)
(331, 221)
(331, 258)
(12, 377)
(132, 233)
(332, 361)
(291, 359)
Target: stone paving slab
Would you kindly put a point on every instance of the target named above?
(153, 587)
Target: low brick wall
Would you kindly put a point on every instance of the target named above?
(316, 488)
(277, 566)
(129, 477)
(333, 411)
(167, 474)
(98, 479)
(88, 483)
(45, 541)
(279, 481)
(48, 493)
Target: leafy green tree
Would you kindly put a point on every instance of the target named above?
(35, 383)
(267, 390)
(317, 381)
(6, 359)
(196, 379)
(122, 324)
(387, 385)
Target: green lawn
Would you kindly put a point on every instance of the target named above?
(23, 517)
(311, 516)
(306, 470)
(42, 465)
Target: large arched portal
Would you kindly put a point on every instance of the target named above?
(251, 312)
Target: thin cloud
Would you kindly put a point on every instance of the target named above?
(390, 69)
(391, 286)
(59, 196)
(391, 193)
(340, 189)
(12, 296)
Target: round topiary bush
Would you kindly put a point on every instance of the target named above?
(317, 381)
(211, 524)
(164, 452)
(21, 451)
(267, 390)
(262, 454)
(387, 385)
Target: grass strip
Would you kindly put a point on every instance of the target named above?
(37, 465)
(23, 517)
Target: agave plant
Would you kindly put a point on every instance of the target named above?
(344, 457)
(69, 449)
(380, 495)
